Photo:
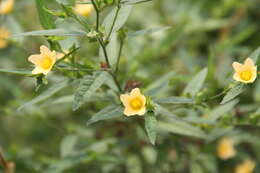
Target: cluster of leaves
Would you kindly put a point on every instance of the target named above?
(186, 113)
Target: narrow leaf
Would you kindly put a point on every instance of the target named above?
(150, 126)
(181, 128)
(17, 71)
(122, 16)
(68, 145)
(106, 113)
(255, 55)
(88, 85)
(175, 100)
(235, 91)
(221, 110)
(159, 85)
(148, 31)
(45, 18)
(53, 32)
(134, 1)
(196, 83)
(46, 94)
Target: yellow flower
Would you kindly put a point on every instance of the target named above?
(247, 166)
(134, 103)
(225, 149)
(246, 72)
(83, 9)
(6, 6)
(4, 35)
(44, 61)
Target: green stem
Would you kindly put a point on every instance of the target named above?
(119, 56)
(114, 20)
(97, 14)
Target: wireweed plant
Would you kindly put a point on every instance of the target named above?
(129, 86)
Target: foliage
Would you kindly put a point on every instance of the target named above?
(178, 52)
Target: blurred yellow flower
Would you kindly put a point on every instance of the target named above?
(247, 166)
(246, 72)
(4, 36)
(135, 103)
(225, 149)
(83, 9)
(61, 55)
(6, 6)
(44, 61)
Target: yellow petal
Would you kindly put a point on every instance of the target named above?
(45, 50)
(237, 66)
(135, 92)
(6, 6)
(35, 59)
(124, 99)
(141, 112)
(249, 62)
(37, 70)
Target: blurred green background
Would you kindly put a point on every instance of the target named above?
(50, 137)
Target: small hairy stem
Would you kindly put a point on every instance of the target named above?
(119, 56)
(97, 14)
(114, 20)
(103, 45)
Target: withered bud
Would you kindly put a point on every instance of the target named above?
(132, 84)
(104, 65)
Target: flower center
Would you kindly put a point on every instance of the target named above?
(136, 103)
(246, 75)
(46, 63)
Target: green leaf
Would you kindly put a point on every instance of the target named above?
(233, 92)
(150, 126)
(88, 85)
(53, 32)
(134, 1)
(181, 128)
(159, 85)
(122, 16)
(255, 55)
(175, 100)
(106, 113)
(46, 19)
(68, 145)
(46, 94)
(176, 125)
(148, 31)
(196, 83)
(17, 71)
(221, 110)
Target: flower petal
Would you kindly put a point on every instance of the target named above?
(249, 62)
(141, 112)
(135, 92)
(45, 50)
(35, 59)
(37, 70)
(124, 99)
(237, 66)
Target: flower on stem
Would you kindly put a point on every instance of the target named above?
(6, 6)
(225, 148)
(246, 72)
(247, 166)
(4, 36)
(83, 9)
(44, 61)
(135, 103)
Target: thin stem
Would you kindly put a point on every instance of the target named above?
(97, 14)
(103, 46)
(114, 20)
(119, 56)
